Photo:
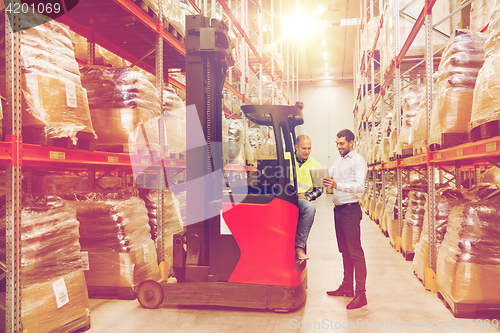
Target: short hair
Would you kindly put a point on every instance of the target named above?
(302, 137)
(347, 134)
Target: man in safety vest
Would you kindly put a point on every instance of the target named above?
(307, 193)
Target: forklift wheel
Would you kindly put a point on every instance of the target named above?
(150, 294)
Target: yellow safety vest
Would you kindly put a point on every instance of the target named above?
(304, 181)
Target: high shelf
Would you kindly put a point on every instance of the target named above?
(145, 38)
(400, 48)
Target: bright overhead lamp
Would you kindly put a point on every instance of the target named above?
(300, 26)
(320, 9)
(326, 74)
(326, 65)
(324, 55)
(323, 42)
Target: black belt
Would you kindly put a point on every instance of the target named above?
(347, 204)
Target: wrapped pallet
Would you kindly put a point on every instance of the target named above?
(486, 94)
(54, 103)
(411, 101)
(468, 264)
(446, 199)
(124, 107)
(172, 221)
(480, 14)
(414, 220)
(457, 74)
(115, 236)
(53, 291)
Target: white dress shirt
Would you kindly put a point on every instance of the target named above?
(349, 172)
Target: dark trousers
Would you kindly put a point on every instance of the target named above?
(347, 228)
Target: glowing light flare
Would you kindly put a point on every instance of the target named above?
(323, 42)
(300, 25)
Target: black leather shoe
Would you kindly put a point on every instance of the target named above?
(341, 291)
(358, 301)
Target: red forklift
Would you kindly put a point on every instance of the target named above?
(252, 265)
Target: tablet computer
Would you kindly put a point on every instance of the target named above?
(317, 176)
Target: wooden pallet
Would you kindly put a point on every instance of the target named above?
(126, 293)
(468, 310)
(85, 326)
(448, 140)
(36, 135)
(408, 255)
(118, 148)
(484, 131)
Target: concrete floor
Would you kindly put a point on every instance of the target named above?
(396, 298)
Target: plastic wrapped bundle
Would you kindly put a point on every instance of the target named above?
(254, 140)
(486, 94)
(480, 12)
(172, 220)
(457, 74)
(111, 221)
(53, 290)
(414, 220)
(468, 266)
(411, 101)
(175, 123)
(446, 199)
(46, 48)
(123, 106)
(54, 104)
(236, 138)
(115, 235)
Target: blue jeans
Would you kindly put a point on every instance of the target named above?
(306, 219)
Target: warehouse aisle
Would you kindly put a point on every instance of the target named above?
(396, 299)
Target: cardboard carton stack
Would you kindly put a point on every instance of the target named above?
(124, 107)
(54, 104)
(53, 291)
(115, 237)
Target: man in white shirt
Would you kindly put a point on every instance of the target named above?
(347, 178)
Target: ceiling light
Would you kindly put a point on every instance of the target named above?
(323, 42)
(320, 9)
(324, 55)
(326, 65)
(326, 74)
(300, 25)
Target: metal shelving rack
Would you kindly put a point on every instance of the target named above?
(149, 42)
(464, 161)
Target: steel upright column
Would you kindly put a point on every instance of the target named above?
(397, 96)
(13, 172)
(430, 274)
(161, 175)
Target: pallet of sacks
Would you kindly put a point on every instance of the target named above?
(446, 199)
(172, 223)
(116, 242)
(124, 107)
(53, 289)
(468, 262)
(413, 222)
(55, 110)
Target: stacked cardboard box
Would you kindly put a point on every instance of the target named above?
(124, 107)
(54, 102)
(53, 291)
(115, 237)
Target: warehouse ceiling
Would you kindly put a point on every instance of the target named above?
(339, 37)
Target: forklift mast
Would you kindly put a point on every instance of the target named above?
(208, 56)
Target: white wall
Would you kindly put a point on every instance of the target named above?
(328, 108)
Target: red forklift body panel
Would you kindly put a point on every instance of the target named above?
(265, 234)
